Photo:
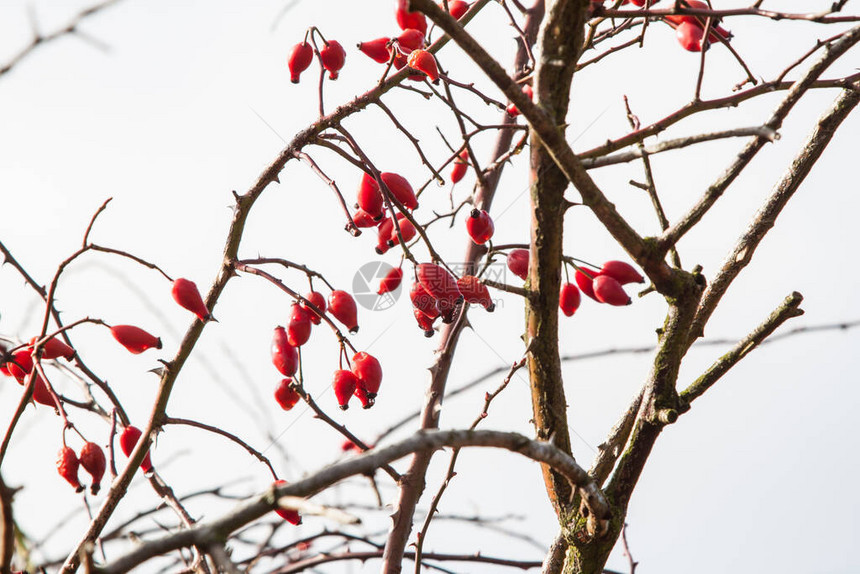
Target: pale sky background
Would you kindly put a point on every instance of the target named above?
(191, 100)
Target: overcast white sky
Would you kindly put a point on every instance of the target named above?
(187, 101)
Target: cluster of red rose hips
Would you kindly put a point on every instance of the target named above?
(20, 365)
(604, 285)
(362, 381)
(689, 30)
(92, 458)
(438, 294)
(406, 49)
(332, 56)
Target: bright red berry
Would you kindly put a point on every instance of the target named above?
(41, 394)
(409, 40)
(286, 395)
(186, 294)
(584, 278)
(67, 466)
(299, 327)
(333, 57)
(391, 281)
(368, 371)
(717, 31)
(518, 262)
(480, 226)
(284, 356)
(345, 382)
(622, 272)
(690, 36)
(369, 197)
(342, 306)
(407, 19)
(20, 365)
(318, 301)
(135, 339)
(400, 189)
(475, 292)
(363, 398)
(383, 235)
(457, 8)
(363, 220)
(460, 167)
(54, 348)
(425, 322)
(291, 516)
(348, 445)
(407, 231)
(512, 109)
(608, 290)
(300, 59)
(376, 49)
(423, 61)
(93, 460)
(423, 301)
(569, 299)
(128, 440)
(438, 282)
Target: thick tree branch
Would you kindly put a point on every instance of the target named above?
(561, 38)
(205, 533)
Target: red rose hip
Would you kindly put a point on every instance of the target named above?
(518, 262)
(318, 301)
(135, 339)
(290, 515)
(475, 292)
(299, 328)
(300, 59)
(128, 440)
(54, 348)
(345, 382)
(480, 226)
(608, 290)
(286, 395)
(569, 299)
(185, 293)
(368, 371)
(333, 57)
(376, 49)
(284, 356)
(342, 306)
(67, 466)
(93, 460)
(622, 272)
(423, 61)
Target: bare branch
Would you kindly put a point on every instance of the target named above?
(42, 39)
(789, 308)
